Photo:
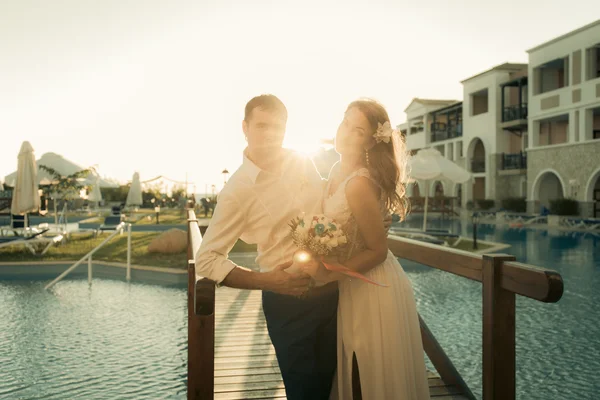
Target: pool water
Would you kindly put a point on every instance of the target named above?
(558, 345)
(109, 341)
(128, 341)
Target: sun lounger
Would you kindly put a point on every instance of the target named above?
(111, 223)
(33, 242)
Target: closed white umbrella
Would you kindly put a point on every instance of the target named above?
(429, 165)
(134, 196)
(25, 194)
(95, 195)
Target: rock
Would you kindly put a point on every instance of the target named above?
(169, 242)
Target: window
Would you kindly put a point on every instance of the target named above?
(596, 123)
(479, 102)
(593, 62)
(554, 131)
(416, 126)
(551, 75)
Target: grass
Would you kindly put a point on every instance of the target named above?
(166, 216)
(467, 245)
(115, 250)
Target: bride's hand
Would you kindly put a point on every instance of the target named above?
(311, 267)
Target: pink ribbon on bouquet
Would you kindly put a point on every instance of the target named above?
(347, 271)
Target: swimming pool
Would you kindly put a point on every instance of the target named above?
(128, 341)
(112, 340)
(558, 345)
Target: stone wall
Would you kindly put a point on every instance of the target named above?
(508, 186)
(572, 162)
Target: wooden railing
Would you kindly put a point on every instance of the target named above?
(201, 322)
(500, 276)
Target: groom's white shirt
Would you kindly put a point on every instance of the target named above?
(257, 206)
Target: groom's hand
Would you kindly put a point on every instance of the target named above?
(282, 282)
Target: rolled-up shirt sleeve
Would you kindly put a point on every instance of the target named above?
(225, 228)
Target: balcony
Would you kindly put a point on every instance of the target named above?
(513, 113)
(514, 161)
(514, 105)
(477, 165)
(442, 131)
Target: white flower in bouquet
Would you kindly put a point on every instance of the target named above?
(317, 234)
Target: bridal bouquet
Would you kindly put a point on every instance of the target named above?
(319, 236)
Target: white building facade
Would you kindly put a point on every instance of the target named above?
(523, 130)
(495, 132)
(564, 116)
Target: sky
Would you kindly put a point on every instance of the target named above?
(160, 87)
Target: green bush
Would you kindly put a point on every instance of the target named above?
(567, 207)
(470, 205)
(515, 204)
(485, 204)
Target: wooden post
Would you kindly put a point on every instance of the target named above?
(201, 330)
(499, 367)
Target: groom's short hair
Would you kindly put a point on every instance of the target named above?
(268, 102)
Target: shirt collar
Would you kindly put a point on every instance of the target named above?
(251, 169)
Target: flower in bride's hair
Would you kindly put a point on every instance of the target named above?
(384, 132)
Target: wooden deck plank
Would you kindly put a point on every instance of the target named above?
(254, 394)
(246, 372)
(245, 362)
(247, 378)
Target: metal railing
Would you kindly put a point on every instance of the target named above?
(515, 112)
(477, 165)
(442, 131)
(119, 230)
(514, 161)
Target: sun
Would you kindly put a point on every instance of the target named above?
(309, 146)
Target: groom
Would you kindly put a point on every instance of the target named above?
(273, 186)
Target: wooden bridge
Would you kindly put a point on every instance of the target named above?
(230, 355)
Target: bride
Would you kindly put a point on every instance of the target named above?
(380, 351)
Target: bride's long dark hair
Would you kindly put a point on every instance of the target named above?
(387, 162)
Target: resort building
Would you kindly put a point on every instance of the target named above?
(564, 119)
(523, 130)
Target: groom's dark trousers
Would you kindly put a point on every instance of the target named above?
(304, 334)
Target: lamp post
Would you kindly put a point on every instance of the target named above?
(213, 187)
(225, 175)
(475, 217)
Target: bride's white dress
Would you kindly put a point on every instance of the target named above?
(378, 324)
